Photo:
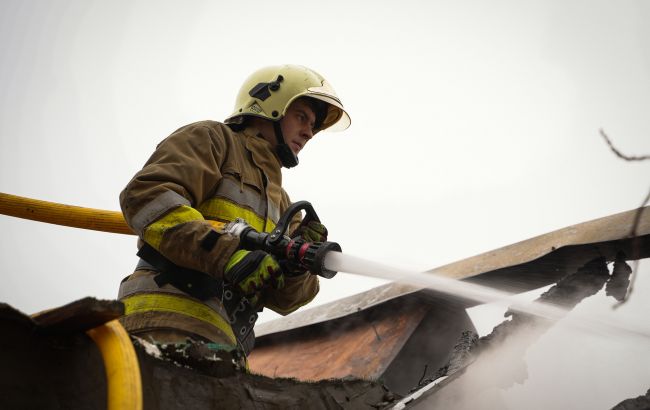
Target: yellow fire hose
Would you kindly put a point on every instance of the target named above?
(121, 366)
(60, 214)
(120, 360)
(69, 215)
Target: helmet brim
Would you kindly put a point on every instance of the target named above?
(337, 118)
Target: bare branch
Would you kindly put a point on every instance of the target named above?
(619, 153)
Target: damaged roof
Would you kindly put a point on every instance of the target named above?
(388, 331)
(518, 262)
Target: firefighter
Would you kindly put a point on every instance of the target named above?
(211, 171)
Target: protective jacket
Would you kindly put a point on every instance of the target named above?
(203, 172)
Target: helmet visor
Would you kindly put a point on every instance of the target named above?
(337, 118)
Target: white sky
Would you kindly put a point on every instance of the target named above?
(474, 123)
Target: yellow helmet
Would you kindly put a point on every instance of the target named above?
(268, 92)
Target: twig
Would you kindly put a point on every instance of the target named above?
(619, 153)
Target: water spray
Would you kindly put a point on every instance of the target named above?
(459, 289)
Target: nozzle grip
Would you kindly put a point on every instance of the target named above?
(280, 229)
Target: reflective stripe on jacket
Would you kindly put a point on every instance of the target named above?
(204, 171)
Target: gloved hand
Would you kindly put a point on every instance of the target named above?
(252, 271)
(312, 232)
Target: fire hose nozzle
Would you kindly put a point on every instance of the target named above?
(313, 258)
(308, 255)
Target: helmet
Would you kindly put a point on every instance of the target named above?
(268, 92)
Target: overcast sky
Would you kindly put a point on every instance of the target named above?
(474, 123)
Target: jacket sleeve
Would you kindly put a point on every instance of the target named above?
(158, 203)
(297, 290)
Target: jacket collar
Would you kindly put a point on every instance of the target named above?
(263, 154)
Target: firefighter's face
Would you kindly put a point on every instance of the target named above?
(298, 125)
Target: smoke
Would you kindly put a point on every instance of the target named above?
(538, 364)
(492, 367)
(569, 349)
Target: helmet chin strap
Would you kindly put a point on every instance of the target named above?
(287, 157)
